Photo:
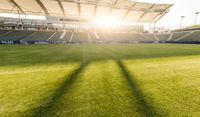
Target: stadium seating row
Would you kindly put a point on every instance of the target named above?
(94, 37)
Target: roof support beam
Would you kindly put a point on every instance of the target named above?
(16, 5)
(145, 13)
(159, 17)
(61, 7)
(112, 7)
(95, 9)
(42, 6)
(79, 9)
(128, 11)
(162, 14)
(105, 5)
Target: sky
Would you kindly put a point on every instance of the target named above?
(186, 8)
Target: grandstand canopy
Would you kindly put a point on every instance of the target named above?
(125, 10)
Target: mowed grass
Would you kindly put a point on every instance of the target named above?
(121, 80)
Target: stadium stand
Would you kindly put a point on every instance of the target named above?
(177, 35)
(138, 37)
(40, 36)
(102, 37)
(57, 37)
(193, 37)
(163, 36)
(80, 37)
(3, 31)
(118, 37)
(147, 38)
(124, 37)
(15, 35)
(68, 36)
(93, 36)
(97, 37)
(52, 18)
(60, 37)
(109, 37)
(121, 37)
(32, 36)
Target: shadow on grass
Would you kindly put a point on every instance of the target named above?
(48, 105)
(145, 108)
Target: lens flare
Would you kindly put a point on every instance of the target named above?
(106, 22)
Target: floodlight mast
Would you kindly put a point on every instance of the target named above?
(63, 23)
(20, 20)
(181, 22)
(196, 17)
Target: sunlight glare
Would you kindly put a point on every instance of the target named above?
(106, 22)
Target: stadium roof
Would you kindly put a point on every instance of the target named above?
(88, 9)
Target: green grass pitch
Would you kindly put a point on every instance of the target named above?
(121, 80)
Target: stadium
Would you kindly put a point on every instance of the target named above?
(99, 58)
